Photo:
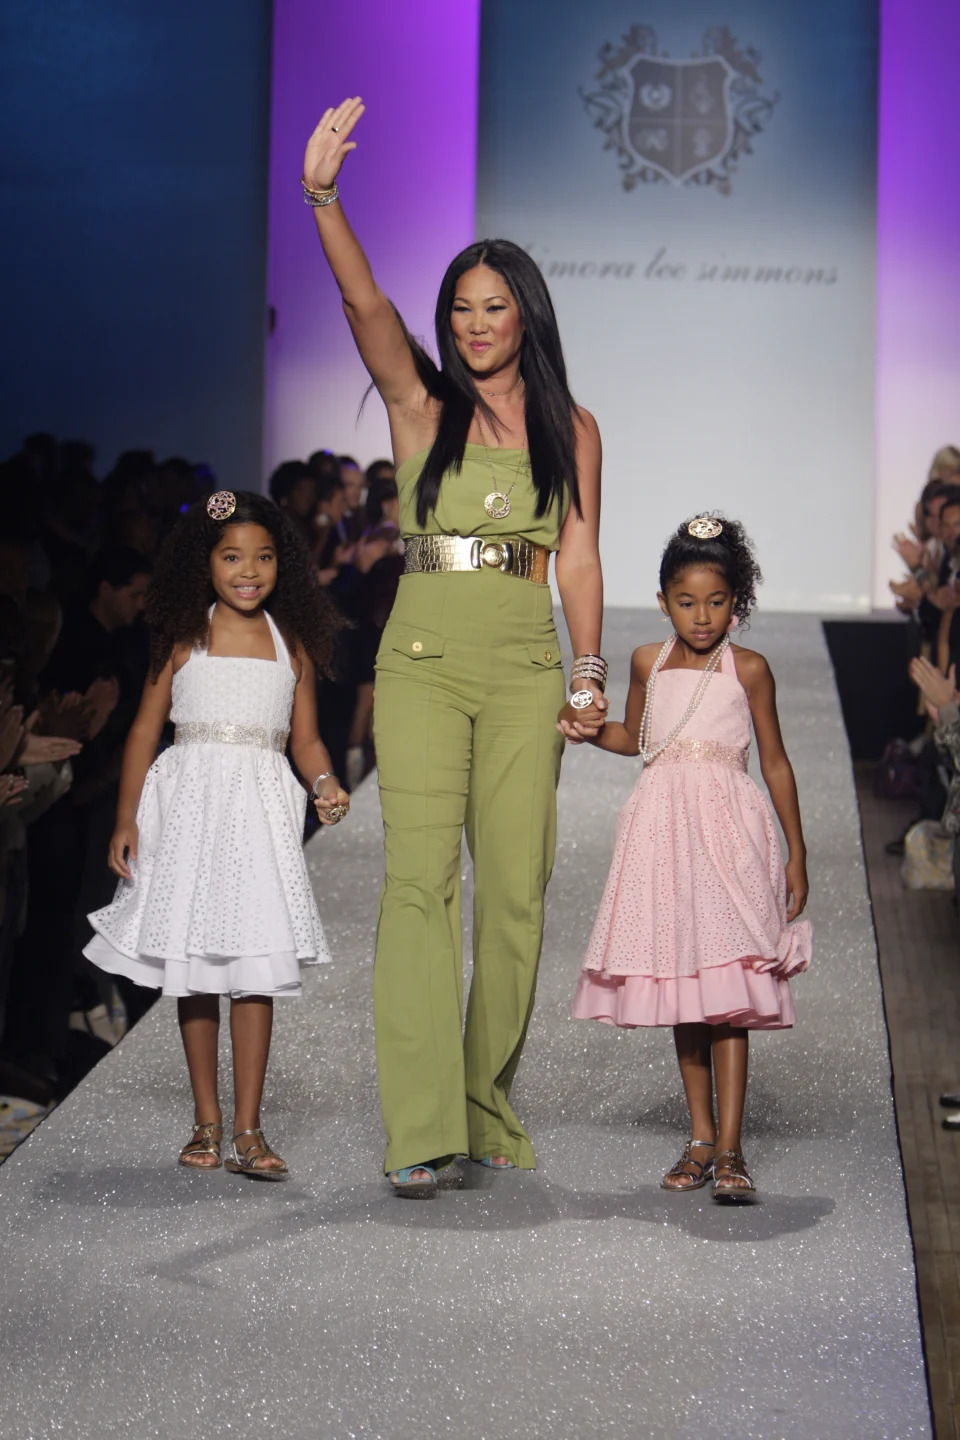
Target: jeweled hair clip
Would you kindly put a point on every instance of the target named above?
(704, 527)
(221, 505)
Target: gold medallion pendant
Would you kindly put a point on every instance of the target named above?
(497, 505)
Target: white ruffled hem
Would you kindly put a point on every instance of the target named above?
(234, 975)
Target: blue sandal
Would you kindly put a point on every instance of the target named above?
(410, 1189)
(490, 1162)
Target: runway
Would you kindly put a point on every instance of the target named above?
(576, 1300)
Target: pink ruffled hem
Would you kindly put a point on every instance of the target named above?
(735, 994)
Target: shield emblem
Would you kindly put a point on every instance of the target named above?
(679, 118)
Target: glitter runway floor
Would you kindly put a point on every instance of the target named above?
(576, 1300)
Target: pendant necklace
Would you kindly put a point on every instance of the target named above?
(497, 503)
(649, 751)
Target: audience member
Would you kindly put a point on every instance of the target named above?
(75, 561)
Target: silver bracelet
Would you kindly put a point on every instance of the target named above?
(316, 201)
(327, 775)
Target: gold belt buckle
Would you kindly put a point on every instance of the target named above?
(495, 554)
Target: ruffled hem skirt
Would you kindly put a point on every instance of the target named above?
(736, 994)
(233, 975)
(219, 901)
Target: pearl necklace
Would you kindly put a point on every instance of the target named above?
(648, 751)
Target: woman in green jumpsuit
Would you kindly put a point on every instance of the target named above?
(496, 468)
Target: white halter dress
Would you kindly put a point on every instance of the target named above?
(220, 901)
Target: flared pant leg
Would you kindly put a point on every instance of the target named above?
(511, 831)
(469, 682)
(424, 738)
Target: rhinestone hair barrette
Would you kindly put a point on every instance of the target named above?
(221, 505)
(704, 527)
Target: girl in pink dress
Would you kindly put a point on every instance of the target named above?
(694, 930)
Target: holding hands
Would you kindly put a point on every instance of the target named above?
(584, 720)
(330, 800)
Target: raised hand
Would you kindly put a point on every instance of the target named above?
(910, 551)
(330, 144)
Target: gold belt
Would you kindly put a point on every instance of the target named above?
(431, 554)
(219, 732)
(710, 751)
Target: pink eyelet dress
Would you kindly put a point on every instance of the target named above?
(692, 927)
(220, 902)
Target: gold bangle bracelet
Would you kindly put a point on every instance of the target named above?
(318, 194)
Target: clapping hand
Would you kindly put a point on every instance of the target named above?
(11, 789)
(44, 749)
(330, 144)
(910, 551)
(99, 703)
(937, 689)
(11, 733)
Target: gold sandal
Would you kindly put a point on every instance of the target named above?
(736, 1183)
(204, 1142)
(698, 1176)
(244, 1162)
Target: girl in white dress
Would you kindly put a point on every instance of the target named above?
(214, 897)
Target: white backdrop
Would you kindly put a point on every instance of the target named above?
(725, 341)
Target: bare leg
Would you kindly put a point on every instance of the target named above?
(199, 1018)
(693, 1054)
(251, 1024)
(730, 1052)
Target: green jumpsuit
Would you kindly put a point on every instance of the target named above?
(469, 681)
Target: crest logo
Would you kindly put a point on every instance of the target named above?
(687, 122)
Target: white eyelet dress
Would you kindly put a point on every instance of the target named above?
(220, 901)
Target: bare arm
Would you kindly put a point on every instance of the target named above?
(758, 681)
(376, 329)
(310, 755)
(623, 737)
(579, 574)
(138, 755)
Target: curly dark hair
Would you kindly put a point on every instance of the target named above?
(731, 553)
(180, 593)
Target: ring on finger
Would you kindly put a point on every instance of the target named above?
(581, 699)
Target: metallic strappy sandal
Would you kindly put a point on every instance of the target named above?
(736, 1185)
(700, 1174)
(204, 1142)
(243, 1162)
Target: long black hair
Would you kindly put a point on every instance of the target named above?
(730, 553)
(181, 593)
(550, 408)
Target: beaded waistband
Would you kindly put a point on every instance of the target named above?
(711, 751)
(199, 732)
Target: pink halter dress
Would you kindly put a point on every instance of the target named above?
(692, 927)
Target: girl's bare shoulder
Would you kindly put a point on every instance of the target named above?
(751, 665)
(180, 655)
(641, 662)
